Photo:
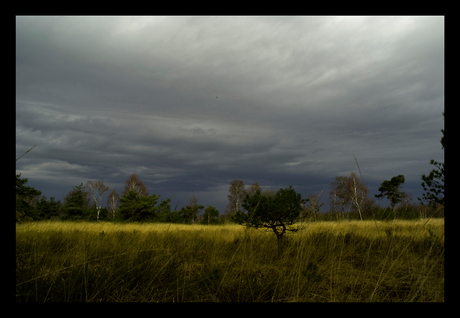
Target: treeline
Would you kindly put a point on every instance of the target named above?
(84, 202)
(349, 199)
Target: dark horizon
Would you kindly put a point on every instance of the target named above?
(190, 104)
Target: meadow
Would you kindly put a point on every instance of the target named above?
(339, 261)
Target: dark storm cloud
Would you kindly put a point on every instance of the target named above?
(192, 103)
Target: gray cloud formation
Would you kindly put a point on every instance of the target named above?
(192, 103)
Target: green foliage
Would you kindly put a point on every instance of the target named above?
(391, 190)
(189, 212)
(136, 207)
(442, 138)
(210, 215)
(276, 212)
(24, 191)
(76, 203)
(24, 197)
(175, 217)
(409, 213)
(384, 214)
(433, 184)
(47, 209)
(164, 211)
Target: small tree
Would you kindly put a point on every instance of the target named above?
(359, 194)
(136, 207)
(349, 191)
(190, 211)
(312, 209)
(76, 203)
(210, 215)
(237, 191)
(391, 190)
(96, 190)
(164, 211)
(112, 202)
(47, 209)
(277, 213)
(24, 197)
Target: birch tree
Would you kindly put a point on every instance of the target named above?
(339, 194)
(210, 215)
(237, 194)
(136, 184)
(349, 192)
(96, 189)
(112, 202)
(253, 189)
(313, 207)
(359, 194)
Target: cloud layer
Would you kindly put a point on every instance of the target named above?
(192, 103)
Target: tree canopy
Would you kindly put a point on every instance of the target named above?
(76, 203)
(24, 196)
(277, 213)
(136, 207)
(391, 190)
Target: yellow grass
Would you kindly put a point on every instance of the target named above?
(357, 261)
(363, 228)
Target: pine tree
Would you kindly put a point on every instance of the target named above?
(433, 184)
(76, 203)
(391, 190)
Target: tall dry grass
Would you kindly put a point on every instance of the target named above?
(355, 261)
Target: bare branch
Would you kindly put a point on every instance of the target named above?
(25, 153)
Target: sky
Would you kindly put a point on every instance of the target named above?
(191, 103)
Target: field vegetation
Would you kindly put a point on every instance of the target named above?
(268, 246)
(335, 261)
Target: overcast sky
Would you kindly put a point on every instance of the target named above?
(190, 104)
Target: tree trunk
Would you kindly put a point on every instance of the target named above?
(355, 199)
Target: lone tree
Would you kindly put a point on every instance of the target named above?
(391, 190)
(277, 212)
(351, 192)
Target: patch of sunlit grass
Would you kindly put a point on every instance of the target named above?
(327, 261)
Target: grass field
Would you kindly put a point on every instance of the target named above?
(348, 261)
